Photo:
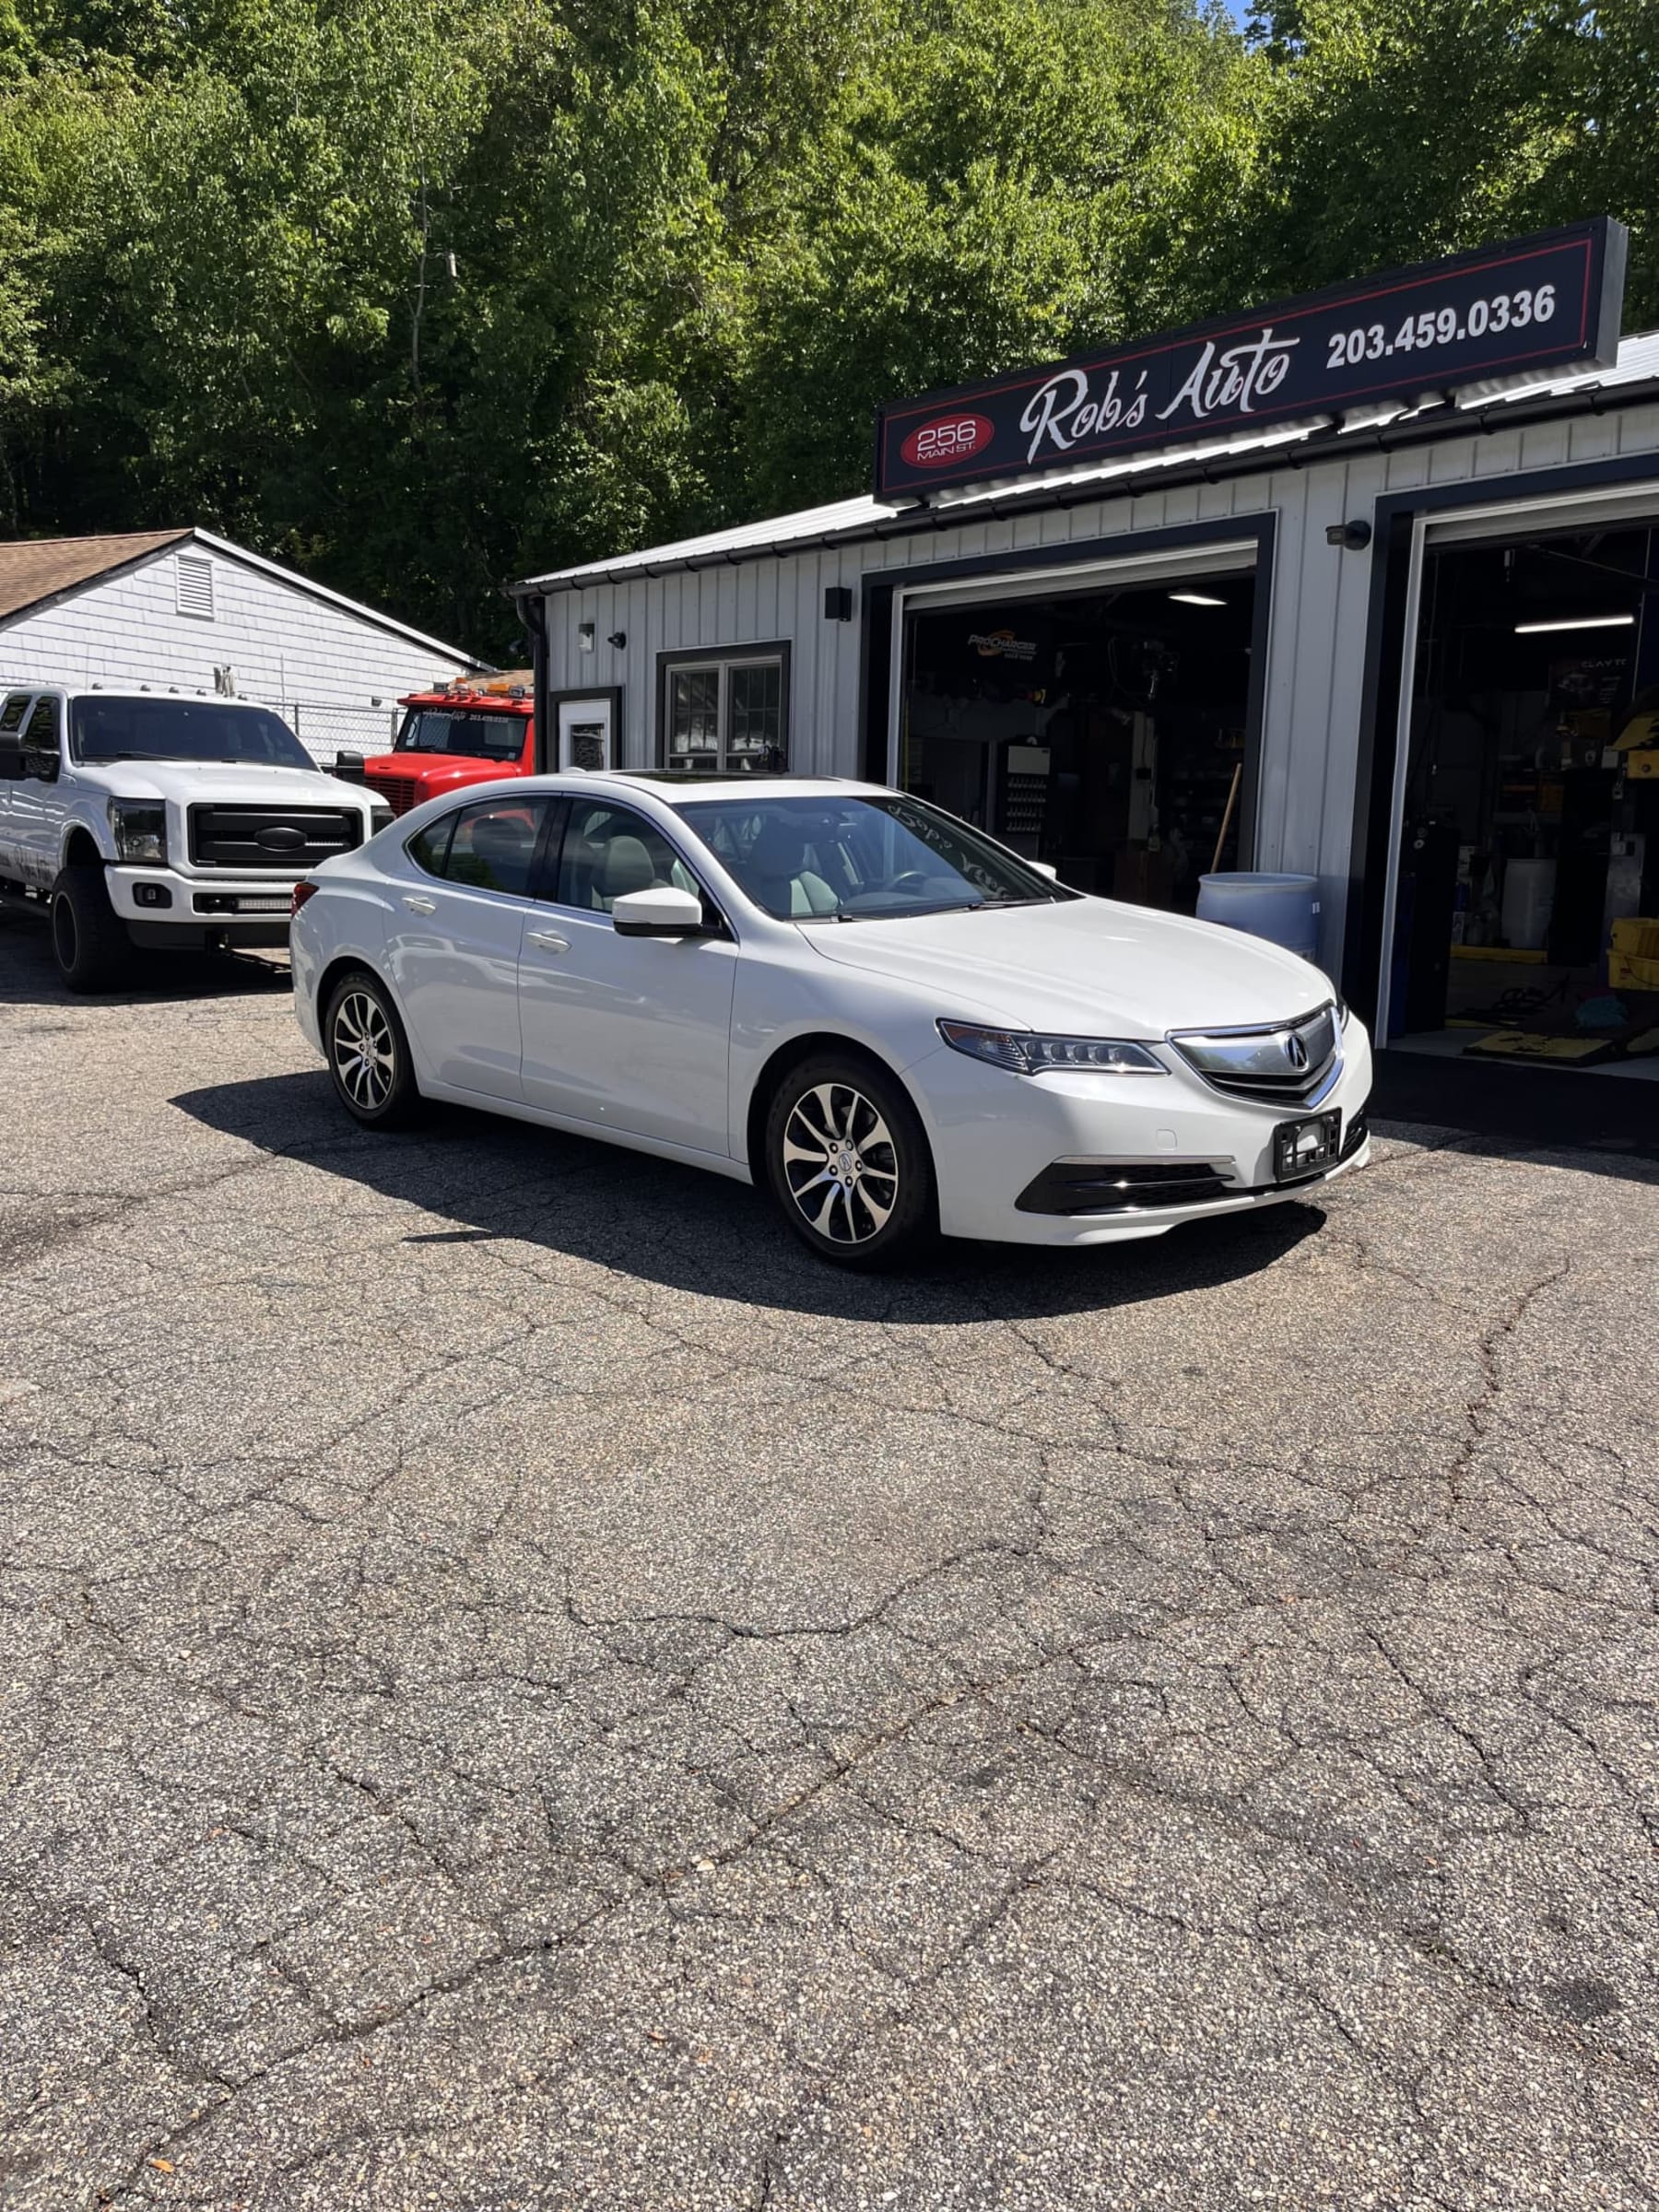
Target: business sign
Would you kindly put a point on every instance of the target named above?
(1551, 301)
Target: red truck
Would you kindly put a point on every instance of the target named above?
(476, 730)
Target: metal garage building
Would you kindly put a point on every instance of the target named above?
(1391, 595)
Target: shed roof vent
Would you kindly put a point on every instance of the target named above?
(194, 578)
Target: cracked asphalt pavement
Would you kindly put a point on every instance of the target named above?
(522, 1690)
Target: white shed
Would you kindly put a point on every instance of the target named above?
(185, 610)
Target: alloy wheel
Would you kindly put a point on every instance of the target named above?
(841, 1163)
(364, 1053)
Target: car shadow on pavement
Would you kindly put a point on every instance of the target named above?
(28, 975)
(478, 1178)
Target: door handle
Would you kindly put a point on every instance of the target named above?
(421, 906)
(546, 940)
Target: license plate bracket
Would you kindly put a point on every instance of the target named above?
(1306, 1147)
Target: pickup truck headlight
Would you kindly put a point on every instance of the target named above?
(1022, 1054)
(139, 828)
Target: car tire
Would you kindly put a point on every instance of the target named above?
(847, 1162)
(367, 1054)
(92, 949)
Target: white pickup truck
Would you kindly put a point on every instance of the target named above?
(161, 819)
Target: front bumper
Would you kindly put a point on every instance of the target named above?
(163, 908)
(1001, 1139)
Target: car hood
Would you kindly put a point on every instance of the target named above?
(439, 772)
(1087, 967)
(222, 783)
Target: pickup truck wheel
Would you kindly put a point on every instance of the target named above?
(369, 1054)
(93, 951)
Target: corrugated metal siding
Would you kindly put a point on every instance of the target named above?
(1317, 633)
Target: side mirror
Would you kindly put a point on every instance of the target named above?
(1047, 867)
(663, 911)
(348, 766)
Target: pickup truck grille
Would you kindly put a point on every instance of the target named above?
(400, 793)
(285, 839)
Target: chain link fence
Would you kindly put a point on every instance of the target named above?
(325, 731)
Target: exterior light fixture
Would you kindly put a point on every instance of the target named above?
(1534, 630)
(618, 638)
(837, 603)
(1353, 537)
(585, 637)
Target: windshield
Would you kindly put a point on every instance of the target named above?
(476, 737)
(183, 729)
(856, 859)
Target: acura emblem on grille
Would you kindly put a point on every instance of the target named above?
(1296, 1052)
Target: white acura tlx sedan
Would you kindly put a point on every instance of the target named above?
(891, 1022)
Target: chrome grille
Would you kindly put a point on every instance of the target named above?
(1283, 1064)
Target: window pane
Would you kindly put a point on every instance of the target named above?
(429, 847)
(42, 730)
(475, 736)
(756, 693)
(494, 845)
(693, 713)
(611, 850)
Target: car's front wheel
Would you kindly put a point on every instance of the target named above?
(368, 1054)
(848, 1163)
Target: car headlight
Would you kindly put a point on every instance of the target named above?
(1022, 1054)
(380, 817)
(139, 829)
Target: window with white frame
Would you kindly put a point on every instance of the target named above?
(725, 713)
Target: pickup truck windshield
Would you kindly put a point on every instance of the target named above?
(863, 859)
(476, 737)
(183, 729)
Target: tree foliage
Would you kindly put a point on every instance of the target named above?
(420, 294)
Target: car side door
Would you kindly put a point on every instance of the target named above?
(455, 917)
(626, 1034)
(40, 803)
(14, 711)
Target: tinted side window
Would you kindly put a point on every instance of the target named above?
(42, 728)
(429, 849)
(490, 846)
(41, 741)
(611, 849)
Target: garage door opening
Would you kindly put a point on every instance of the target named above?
(1528, 880)
(1104, 731)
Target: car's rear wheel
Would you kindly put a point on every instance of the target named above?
(92, 949)
(368, 1054)
(848, 1163)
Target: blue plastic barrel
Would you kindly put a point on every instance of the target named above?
(1283, 909)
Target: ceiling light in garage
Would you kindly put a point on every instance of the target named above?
(1529, 630)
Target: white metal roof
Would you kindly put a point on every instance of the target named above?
(864, 517)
